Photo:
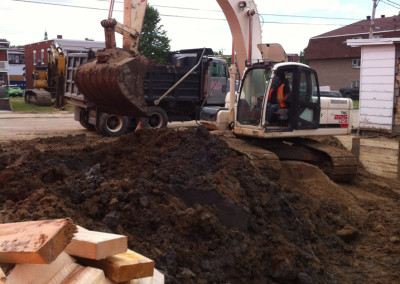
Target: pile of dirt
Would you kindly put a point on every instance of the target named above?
(203, 212)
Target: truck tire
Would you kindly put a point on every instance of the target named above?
(112, 125)
(84, 120)
(158, 118)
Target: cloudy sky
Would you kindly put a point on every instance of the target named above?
(189, 23)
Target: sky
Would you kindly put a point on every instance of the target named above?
(188, 23)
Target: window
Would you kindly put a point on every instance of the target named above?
(377, 36)
(355, 84)
(251, 96)
(356, 63)
(42, 55)
(34, 57)
(2, 78)
(218, 70)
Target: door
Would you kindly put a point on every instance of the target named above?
(308, 101)
(252, 91)
(218, 83)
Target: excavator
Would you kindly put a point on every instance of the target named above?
(113, 82)
(49, 81)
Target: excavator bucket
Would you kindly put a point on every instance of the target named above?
(114, 82)
(38, 97)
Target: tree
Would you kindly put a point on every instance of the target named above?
(153, 40)
(302, 56)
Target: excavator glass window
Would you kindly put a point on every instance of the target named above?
(308, 101)
(251, 97)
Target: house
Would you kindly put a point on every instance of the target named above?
(36, 54)
(379, 108)
(4, 46)
(337, 64)
(16, 64)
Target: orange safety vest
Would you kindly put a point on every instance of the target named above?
(280, 95)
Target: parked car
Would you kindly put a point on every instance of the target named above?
(352, 93)
(13, 91)
(331, 94)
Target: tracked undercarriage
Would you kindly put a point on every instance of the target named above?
(340, 165)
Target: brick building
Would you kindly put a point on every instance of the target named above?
(4, 47)
(337, 64)
(36, 54)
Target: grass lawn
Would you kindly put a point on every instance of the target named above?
(355, 104)
(19, 105)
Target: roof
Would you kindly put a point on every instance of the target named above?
(69, 44)
(332, 45)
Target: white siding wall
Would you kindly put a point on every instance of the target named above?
(377, 80)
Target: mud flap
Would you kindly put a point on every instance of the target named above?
(115, 86)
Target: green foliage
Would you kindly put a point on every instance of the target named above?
(153, 40)
(302, 56)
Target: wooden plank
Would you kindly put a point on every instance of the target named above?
(3, 279)
(96, 245)
(34, 241)
(77, 274)
(355, 149)
(123, 267)
(39, 273)
(157, 278)
(377, 63)
(383, 71)
(376, 104)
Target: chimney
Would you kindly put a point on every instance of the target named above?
(382, 16)
(59, 36)
(368, 18)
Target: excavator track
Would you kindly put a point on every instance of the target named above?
(343, 165)
(340, 165)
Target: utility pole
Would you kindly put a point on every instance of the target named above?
(372, 26)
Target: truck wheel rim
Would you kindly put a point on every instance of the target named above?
(114, 123)
(155, 121)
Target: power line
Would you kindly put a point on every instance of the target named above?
(264, 14)
(395, 5)
(62, 5)
(179, 16)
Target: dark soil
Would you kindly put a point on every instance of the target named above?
(204, 213)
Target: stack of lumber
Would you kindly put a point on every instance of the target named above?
(58, 251)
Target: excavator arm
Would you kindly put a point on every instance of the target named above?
(113, 82)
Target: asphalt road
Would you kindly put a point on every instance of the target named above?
(15, 126)
(19, 126)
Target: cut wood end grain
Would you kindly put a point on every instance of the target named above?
(35, 241)
(96, 245)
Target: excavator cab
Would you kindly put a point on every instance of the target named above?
(304, 113)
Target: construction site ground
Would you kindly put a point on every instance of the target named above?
(203, 212)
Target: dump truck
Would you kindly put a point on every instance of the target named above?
(207, 84)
